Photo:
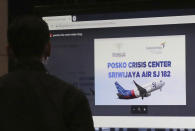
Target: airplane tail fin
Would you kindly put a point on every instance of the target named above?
(142, 91)
(120, 89)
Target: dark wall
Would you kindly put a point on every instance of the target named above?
(102, 6)
(19, 7)
(53, 7)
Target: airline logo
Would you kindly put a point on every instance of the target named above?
(156, 49)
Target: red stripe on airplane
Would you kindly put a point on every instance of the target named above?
(133, 93)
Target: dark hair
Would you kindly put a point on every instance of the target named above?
(27, 36)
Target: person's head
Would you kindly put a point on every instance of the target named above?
(28, 38)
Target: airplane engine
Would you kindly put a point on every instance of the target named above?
(148, 94)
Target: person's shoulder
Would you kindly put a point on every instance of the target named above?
(64, 87)
(57, 82)
(66, 92)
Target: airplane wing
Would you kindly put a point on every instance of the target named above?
(142, 91)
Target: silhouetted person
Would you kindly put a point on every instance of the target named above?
(30, 98)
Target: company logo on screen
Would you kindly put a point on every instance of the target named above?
(156, 49)
(119, 52)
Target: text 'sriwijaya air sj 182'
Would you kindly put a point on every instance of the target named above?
(141, 91)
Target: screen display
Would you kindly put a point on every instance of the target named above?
(140, 70)
(127, 62)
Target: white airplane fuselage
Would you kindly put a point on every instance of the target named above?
(153, 86)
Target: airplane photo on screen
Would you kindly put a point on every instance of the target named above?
(141, 91)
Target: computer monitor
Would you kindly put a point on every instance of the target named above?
(136, 68)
